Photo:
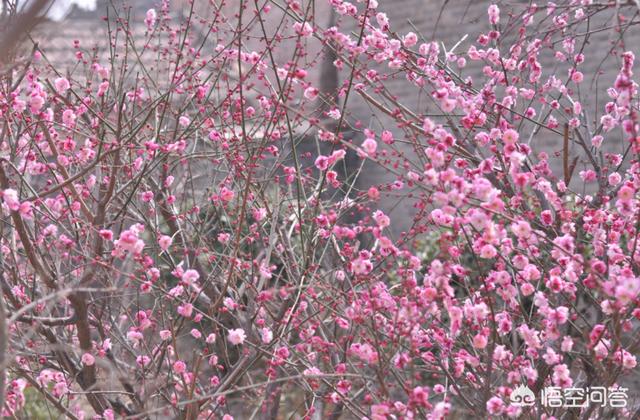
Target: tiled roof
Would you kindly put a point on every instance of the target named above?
(446, 20)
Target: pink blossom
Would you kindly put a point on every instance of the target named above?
(614, 178)
(10, 198)
(409, 40)
(334, 114)
(336, 156)
(495, 405)
(179, 367)
(36, 102)
(588, 175)
(626, 193)
(383, 21)
(266, 335)
(236, 336)
(362, 264)
(190, 276)
(88, 359)
(596, 141)
(379, 412)
(103, 88)
(322, 163)
(381, 219)
(494, 14)
(134, 336)
(387, 137)
(229, 303)
(480, 341)
(129, 241)
(103, 72)
(365, 352)
(150, 18)
(551, 357)
(577, 77)
(62, 85)
(303, 29)
(184, 121)
(628, 360)
(510, 136)
(567, 344)
(226, 194)
(147, 196)
(420, 396)
(186, 310)
(369, 146)
(165, 242)
(69, 118)
(106, 234)
(259, 214)
(60, 389)
(521, 229)
(311, 93)
(441, 218)
(561, 376)
(488, 251)
(627, 289)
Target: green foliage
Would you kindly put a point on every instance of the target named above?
(36, 406)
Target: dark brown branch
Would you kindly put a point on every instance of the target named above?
(565, 154)
(3, 347)
(20, 25)
(48, 321)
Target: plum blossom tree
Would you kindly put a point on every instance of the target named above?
(167, 250)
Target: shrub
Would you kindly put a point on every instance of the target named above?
(172, 246)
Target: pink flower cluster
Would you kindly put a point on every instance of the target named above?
(201, 219)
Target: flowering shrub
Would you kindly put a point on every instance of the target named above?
(171, 248)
